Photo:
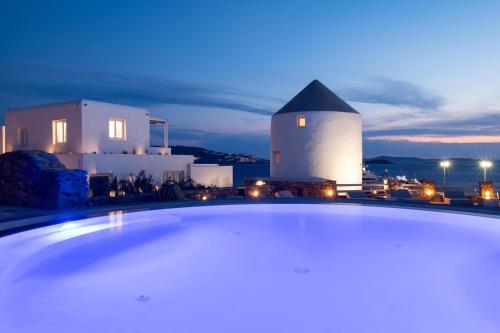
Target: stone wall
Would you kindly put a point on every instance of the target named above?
(37, 179)
(298, 188)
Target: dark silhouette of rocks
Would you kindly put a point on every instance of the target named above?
(38, 179)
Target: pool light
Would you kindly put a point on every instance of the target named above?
(68, 225)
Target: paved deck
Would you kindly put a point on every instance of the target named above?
(16, 219)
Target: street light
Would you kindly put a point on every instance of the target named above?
(445, 164)
(485, 165)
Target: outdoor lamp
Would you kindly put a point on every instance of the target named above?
(445, 164)
(485, 165)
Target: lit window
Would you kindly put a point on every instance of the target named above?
(22, 136)
(59, 131)
(276, 157)
(301, 121)
(117, 129)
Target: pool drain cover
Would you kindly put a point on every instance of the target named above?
(143, 298)
(301, 270)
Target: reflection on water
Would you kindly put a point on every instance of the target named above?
(116, 219)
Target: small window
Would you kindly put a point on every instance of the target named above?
(301, 121)
(59, 134)
(117, 129)
(22, 136)
(276, 157)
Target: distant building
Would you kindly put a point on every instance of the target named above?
(317, 135)
(104, 138)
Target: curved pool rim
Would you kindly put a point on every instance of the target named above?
(52, 218)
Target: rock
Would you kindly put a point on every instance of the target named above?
(38, 179)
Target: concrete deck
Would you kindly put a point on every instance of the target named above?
(16, 219)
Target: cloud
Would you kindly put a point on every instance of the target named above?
(437, 138)
(394, 92)
(29, 82)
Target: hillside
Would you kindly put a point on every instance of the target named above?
(203, 155)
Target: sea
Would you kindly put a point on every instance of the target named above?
(462, 171)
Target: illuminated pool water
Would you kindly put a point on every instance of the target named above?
(255, 268)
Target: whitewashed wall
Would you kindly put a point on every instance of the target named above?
(212, 174)
(95, 122)
(38, 122)
(329, 147)
(122, 165)
(87, 127)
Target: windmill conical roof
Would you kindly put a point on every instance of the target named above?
(316, 97)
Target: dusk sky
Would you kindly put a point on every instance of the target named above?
(425, 76)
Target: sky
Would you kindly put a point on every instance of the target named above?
(425, 75)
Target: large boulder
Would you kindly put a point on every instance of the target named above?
(38, 179)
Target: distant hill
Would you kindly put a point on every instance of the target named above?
(377, 160)
(203, 155)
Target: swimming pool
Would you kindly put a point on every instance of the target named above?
(255, 268)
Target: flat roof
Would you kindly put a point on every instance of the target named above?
(77, 102)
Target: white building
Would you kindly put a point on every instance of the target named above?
(317, 135)
(104, 138)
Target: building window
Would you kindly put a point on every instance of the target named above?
(276, 157)
(301, 121)
(22, 137)
(117, 129)
(59, 131)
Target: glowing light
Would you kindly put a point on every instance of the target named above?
(445, 164)
(260, 183)
(117, 129)
(255, 193)
(374, 192)
(485, 164)
(329, 193)
(429, 192)
(67, 226)
(301, 121)
(112, 194)
(487, 195)
(59, 134)
(204, 198)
